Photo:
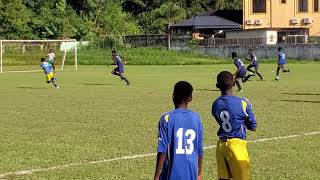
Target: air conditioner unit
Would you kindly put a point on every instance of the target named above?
(250, 22)
(307, 20)
(294, 21)
(258, 22)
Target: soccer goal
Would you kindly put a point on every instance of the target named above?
(25, 55)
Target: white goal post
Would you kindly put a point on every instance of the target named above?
(23, 48)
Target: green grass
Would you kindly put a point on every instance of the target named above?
(94, 116)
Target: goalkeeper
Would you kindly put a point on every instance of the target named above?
(51, 60)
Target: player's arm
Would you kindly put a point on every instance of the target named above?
(161, 157)
(162, 145)
(250, 121)
(200, 151)
(54, 68)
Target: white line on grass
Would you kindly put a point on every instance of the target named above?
(59, 167)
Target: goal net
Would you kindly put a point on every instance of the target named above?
(25, 55)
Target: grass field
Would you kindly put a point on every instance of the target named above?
(94, 125)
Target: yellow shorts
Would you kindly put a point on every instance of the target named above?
(49, 77)
(233, 159)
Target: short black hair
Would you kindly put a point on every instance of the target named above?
(43, 59)
(250, 50)
(224, 80)
(234, 55)
(115, 52)
(182, 91)
(279, 49)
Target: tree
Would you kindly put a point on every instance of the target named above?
(14, 20)
(167, 14)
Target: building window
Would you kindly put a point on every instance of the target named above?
(259, 6)
(316, 5)
(303, 5)
(283, 1)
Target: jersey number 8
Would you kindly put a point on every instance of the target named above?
(189, 147)
(225, 118)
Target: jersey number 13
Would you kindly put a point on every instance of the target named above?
(190, 135)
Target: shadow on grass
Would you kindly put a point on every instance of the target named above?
(97, 84)
(302, 94)
(301, 101)
(31, 88)
(213, 90)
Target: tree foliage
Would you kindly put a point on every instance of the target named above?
(87, 19)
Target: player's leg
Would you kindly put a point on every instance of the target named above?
(115, 72)
(285, 69)
(238, 84)
(238, 159)
(54, 83)
(53, 80)
(123, 77)
(224, 172)
(249, 68)
(257, 72)
(278, 71)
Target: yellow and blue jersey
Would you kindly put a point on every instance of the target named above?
(181, 138)
(234, 115)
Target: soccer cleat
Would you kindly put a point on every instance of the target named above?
(57, 87)
(240, 90)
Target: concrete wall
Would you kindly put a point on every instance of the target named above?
(302, 52)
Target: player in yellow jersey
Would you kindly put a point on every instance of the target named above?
(234, 116)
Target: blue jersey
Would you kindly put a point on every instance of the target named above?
(46, 67)
(234, 115)
(118, 61)
(282, 58)
(180, 137)
(238, 63)
(242, 70)
(254, 60)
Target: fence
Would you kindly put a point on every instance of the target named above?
(185, 41)
(158, 40)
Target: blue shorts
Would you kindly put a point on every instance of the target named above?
(119, 69)
(242, 73)
(282, 63)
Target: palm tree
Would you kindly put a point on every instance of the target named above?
(167, 14)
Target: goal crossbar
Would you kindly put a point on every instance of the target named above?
(40, 41)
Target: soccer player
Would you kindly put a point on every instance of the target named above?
(254, 64)
(47, 68)
(241, 71)
(51, 60)
(180, 137)
(119, 70)
(282, 63)
(234, 116)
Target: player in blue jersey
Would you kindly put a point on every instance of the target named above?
(282, 63)
(119, 70)
(47, 68)
(254, 64)
(241, 70)
(180, 137)
(234, 116)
